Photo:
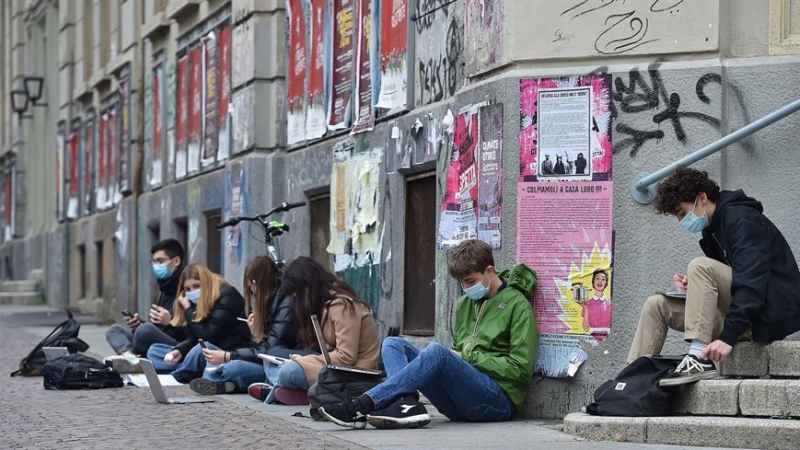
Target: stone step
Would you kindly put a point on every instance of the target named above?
(21, 298)
(752, 360)
(19, 286)
(730, 432)
(721, 397)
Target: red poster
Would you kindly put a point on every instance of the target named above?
(342, 64)
(365, 119)
(181, 126)
(89, 170)
(195, 107)
(315, 115)
(296, 120)
(211, 133)
(394, 49)
(113, 149)
(73, 166)
(157, 119)
(102, 161)
(224, 91)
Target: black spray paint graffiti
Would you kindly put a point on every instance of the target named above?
(638, 95)
(438, 76)
(425, 12)
(624, 31)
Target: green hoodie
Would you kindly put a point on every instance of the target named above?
(498, 335)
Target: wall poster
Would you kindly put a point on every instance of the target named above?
(196, 89)
(224, 140)
(318, 24)
(365, 62)
(211, 99)
(565, 173)
(393, 93)
(296, 116)
(342, 60)
(181, 124)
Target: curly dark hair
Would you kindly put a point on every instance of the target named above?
(683, 186)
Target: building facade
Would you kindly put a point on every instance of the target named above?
(404, 126)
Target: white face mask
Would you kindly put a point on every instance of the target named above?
(478, 291)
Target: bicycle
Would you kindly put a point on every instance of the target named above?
(272, 230)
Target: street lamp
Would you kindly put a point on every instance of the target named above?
(30, 95)
(33, 86)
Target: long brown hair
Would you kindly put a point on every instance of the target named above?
(314, 287)
(210, 287)
(263, 272)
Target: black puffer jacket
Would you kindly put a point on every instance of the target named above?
(168, 290)
(766, 282)
(221, 327)
(282, 330)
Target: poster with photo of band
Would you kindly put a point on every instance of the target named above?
(565, 169)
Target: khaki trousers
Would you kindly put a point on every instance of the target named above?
(701, 316)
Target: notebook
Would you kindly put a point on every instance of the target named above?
(326, 357)
(158, 390)
(51, 353)
(673, 294)
(277, 360)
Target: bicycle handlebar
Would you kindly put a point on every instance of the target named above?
(283, 207)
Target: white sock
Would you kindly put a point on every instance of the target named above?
(697, 347)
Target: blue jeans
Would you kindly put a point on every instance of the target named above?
(455, 387)
(241, 373)
(194, 361)
(290, 375)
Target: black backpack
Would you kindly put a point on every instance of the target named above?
(334, 386)
(635, 391)
(64, 335)
(78, 371)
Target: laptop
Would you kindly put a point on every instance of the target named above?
(323, 347)
(51, 353)
(158, 390)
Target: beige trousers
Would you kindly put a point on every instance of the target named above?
(701, 316)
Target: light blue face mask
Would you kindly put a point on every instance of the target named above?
(161, 271)
(193, 296)
(478, 291)
(692, 223)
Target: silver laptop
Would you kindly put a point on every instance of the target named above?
(323, 347)
(158, 390)
(51, 353)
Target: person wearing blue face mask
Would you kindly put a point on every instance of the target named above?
(211, 310)
(137, 335)
(486, 374)
(747, 284)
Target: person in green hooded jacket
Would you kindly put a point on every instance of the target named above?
(484, 377)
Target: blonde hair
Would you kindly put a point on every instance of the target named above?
(210, 286)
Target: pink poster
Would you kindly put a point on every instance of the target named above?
(565, 130)
(565, 215)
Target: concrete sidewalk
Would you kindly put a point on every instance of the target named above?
(439, 434)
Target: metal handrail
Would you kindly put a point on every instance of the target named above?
(643, 188)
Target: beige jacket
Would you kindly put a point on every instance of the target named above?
(352, 339)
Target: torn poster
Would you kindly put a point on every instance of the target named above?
(354, 202)
(394, 50)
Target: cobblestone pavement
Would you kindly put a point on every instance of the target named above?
(129, 418)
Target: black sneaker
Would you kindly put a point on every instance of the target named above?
(405, 412)
(207, 387)
(345, 414)
(691, 369)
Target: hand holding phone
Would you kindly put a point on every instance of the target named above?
(127, 313)
(202, 344)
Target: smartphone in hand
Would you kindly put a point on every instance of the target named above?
(202, 344)
(127, 314)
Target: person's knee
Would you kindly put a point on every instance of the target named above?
(113, 330)
(289, 373)
(144, 330)
(701, 263)
(435, 348)
(653, 305)
(392, 342)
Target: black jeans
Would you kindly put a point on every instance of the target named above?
(122, 339)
